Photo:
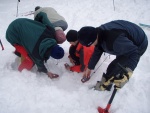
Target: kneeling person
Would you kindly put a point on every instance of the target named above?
(79, 55)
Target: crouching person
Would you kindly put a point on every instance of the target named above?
(48, 15)
(34, 43)
(124, 39)
(79, 55)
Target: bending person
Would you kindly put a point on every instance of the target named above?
(48, 15)
(35, 43)
(124, 39)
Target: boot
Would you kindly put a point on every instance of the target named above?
(103, 84)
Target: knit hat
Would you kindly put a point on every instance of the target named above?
(37, 7)
(87, 35)
(57, 52)
(72, 36)
(60, 35)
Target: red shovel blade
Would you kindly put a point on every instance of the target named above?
(101, 110)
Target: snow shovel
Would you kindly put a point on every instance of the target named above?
(101, 110)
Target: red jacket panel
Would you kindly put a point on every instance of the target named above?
(85, 54)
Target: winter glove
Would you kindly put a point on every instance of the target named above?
(121, 81)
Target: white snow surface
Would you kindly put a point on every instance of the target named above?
(33, 92)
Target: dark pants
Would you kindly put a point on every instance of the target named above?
(72, 52)
(113, 69)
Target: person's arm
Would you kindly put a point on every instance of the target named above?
(42, 68)
(95, 58)
(42, 17)
(92, 63)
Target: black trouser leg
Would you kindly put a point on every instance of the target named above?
(113, 69)
(72, 52)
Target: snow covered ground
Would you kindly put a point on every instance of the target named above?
(32, 92)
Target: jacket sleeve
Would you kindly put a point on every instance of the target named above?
(40, 65)
(95, 58)
(42, 17)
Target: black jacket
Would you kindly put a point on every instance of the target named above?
(120, 38)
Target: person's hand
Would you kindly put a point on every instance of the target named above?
(71, 60)
(67, 66)
(51, 75)
(121, 81)
(86, 75)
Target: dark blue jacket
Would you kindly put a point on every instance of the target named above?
(120, 38)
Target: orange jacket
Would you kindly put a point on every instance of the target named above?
(84, 53)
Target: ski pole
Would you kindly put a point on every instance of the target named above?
(100, 65)
(17, 7)
(144, 25)
(1, 45)
(101, 110)
(84, 79)
(114, 4)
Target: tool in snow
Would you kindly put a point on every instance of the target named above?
(17, 7)
(144, 25)
(101, 110)
(28, 13)
(1, 45)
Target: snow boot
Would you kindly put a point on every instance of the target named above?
(103, 85)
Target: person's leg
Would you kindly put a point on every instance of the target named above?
(26, 61)
(112, 70)
(72, 55)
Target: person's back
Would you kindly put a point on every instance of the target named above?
(56, 19)
(35, 43)
(132, 31)
(30, 36)
(122, 38)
